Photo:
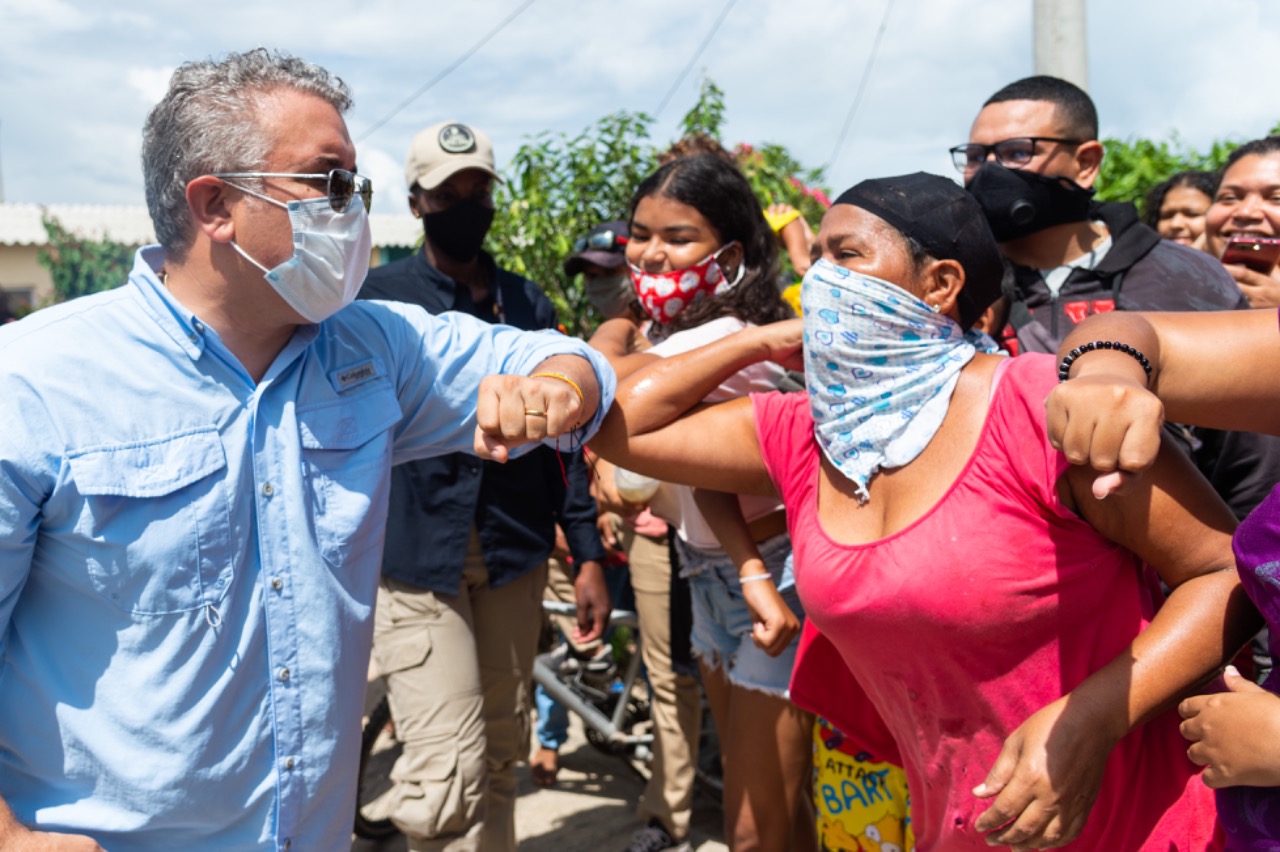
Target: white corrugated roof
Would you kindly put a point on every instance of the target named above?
(395, 230)
(20, 224)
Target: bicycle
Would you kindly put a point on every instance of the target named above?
(611, 712)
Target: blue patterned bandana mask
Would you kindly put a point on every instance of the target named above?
(880, 367)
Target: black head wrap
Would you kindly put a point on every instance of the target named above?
(947, 222)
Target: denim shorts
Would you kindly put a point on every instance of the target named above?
(722, 621)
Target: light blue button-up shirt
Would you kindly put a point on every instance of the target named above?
(189, 559)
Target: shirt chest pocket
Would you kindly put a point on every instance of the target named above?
(156, 521)
(346, 462)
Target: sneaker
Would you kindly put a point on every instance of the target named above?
(654, 838)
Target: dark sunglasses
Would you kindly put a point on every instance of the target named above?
(599, 241)
(341, 185)
(1010, 153)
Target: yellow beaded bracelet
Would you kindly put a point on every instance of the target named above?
(582, 400)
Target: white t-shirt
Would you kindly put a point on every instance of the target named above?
(760, 377)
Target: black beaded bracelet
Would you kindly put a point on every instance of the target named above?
(1064, 369)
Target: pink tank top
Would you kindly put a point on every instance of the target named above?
(996, 602)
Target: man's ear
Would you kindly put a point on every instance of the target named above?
(944, 279)
(210, 206)
(1089, 162)
(413, 204)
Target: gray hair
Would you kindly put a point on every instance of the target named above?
(208, 122)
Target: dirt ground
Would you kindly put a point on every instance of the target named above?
(591, 808)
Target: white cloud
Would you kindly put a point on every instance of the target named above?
(149, 83)
(387, 173)
(28, 17)
(77, 85)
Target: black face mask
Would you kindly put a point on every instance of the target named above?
(459, 231)
(1018, 202)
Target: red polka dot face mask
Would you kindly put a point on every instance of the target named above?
(665, 294)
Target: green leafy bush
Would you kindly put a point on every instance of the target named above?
(80, 266)
(1134, 165)
(559, 186)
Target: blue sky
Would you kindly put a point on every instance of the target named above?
(77, 78)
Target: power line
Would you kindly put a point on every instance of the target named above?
(694, 59)
(449, 69)
(862, 86)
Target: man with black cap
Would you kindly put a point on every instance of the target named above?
(599, 257)
(467, 541)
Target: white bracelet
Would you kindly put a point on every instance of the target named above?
(755, 578)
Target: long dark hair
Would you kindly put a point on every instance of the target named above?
(718, 191)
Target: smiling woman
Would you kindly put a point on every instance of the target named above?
(1176, 207)
(1242, 226)
(704, 264)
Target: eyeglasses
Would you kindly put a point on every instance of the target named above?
(1010, 153)
(599, 241)
(341, 185)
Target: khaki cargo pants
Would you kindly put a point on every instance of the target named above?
(458, 669)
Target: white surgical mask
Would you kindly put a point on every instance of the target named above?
(330, 256)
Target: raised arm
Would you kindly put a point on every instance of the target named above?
(1217, 368)
(619, 340)
(560, 395)
(1048, 773)
(658, 426)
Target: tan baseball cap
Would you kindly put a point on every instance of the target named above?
(445, 149)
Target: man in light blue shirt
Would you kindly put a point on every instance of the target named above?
(194, 473)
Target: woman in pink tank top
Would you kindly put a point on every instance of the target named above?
(1004, 629)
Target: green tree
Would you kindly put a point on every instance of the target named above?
(80, 266)
(1134, 165)
(555, 190)
(559, 186)
(775, 176)
(706, 118)
(778, 178)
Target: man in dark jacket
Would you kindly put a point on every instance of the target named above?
(459, 609)
(1032, 159)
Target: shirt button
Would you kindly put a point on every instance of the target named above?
(277, 583)
(288, 843)
(288, 763)
(268, 489)
(198, 326)
(284, 674)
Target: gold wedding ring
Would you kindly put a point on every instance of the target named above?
(533, 412)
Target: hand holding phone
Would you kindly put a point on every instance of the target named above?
(1257, 253)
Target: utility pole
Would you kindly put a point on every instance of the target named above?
(1060, 44)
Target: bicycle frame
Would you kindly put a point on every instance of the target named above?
(609, 727)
